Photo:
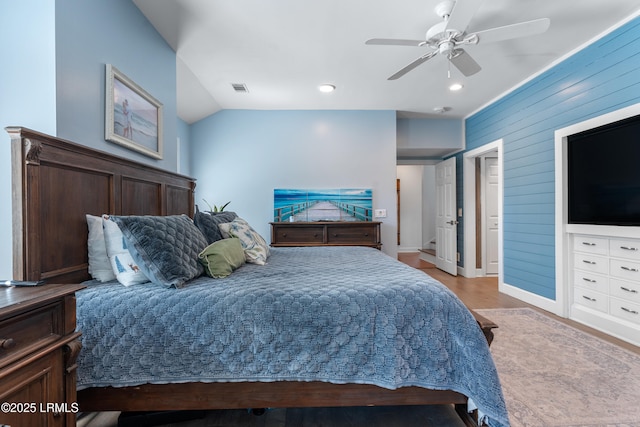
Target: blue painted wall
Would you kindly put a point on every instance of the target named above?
(53, 79)
(91, 34)
(601, 78)
(243, 155)
(184, 148)
(27, 92)
(429, 133)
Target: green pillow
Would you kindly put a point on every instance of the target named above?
(222, 257)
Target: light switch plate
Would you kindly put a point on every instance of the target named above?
(380, 213)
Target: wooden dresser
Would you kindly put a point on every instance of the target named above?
(326, 233)
(38, 350)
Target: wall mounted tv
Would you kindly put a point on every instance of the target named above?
(604, 174)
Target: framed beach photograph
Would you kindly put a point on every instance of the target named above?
(133, 118)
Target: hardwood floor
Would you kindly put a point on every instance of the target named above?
(483, 293)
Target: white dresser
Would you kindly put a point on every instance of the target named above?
(605, 279)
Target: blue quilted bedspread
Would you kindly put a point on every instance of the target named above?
(340, 315)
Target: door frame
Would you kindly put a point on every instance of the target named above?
(469, 203)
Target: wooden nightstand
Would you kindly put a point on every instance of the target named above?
(38, 350)
(326, 233)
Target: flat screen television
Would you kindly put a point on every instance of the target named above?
(604, 174)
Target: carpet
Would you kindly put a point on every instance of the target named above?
(554, 375)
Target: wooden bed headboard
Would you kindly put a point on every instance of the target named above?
(55, 183)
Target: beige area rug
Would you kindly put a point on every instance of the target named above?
(554, 375)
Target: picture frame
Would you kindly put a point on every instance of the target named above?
(133, 118)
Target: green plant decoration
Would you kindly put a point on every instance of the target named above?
(214, 208)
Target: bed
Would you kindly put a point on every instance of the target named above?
(56, 183)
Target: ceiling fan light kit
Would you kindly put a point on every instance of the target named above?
(447, 37)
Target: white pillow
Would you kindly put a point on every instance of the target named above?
(256, 249)
(125, 268)
(99, 265)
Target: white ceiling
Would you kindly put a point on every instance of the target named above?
(283, 49)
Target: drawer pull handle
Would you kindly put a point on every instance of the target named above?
(589, 298)
(588, 243)
(628, 310)
(586, 261)
(335, 234)
(627, 248)
(284, 234)
(586, 279)
(633, 270)
(315, 234)
(366, 234)
(7, 344)
(633, 291)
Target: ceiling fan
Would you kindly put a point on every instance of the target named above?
(448, 37)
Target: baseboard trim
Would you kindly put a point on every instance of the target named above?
(531, 298)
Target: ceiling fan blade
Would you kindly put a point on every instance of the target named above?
(414, 64)
(395, 42)
(513, 31)
(462, 13)
(465, 63)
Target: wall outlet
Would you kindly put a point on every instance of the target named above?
(380, 213)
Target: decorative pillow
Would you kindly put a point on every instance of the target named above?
(166, 248)
(222, 257)
(208, 223)
(125, 268)
(255, 247)
(99, 265)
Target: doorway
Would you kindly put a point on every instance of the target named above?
(487, 208)
(483, 217)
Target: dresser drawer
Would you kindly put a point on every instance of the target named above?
(326, 233)
(357, 234)
(301, 235)
(30, 331)
(590, 280)
(590, 244)
(622, 248)
(625, 310)
(628, 291)
(591, 299)
(624, 269)
(592, 263)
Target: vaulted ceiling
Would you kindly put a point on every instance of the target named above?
(281, 50)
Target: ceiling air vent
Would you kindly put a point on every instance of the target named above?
(240, 87)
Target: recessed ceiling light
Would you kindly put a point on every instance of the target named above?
(326, 88)
(456, 86)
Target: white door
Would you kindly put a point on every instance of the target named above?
(446, 224)
(491, 215)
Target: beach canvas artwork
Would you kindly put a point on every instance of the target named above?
(133, 117)
(343, 204)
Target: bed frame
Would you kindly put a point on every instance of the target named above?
(56, 182)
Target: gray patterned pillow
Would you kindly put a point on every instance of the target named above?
(208, 223)
(165, 248)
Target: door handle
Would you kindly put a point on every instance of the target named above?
(452, 222)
